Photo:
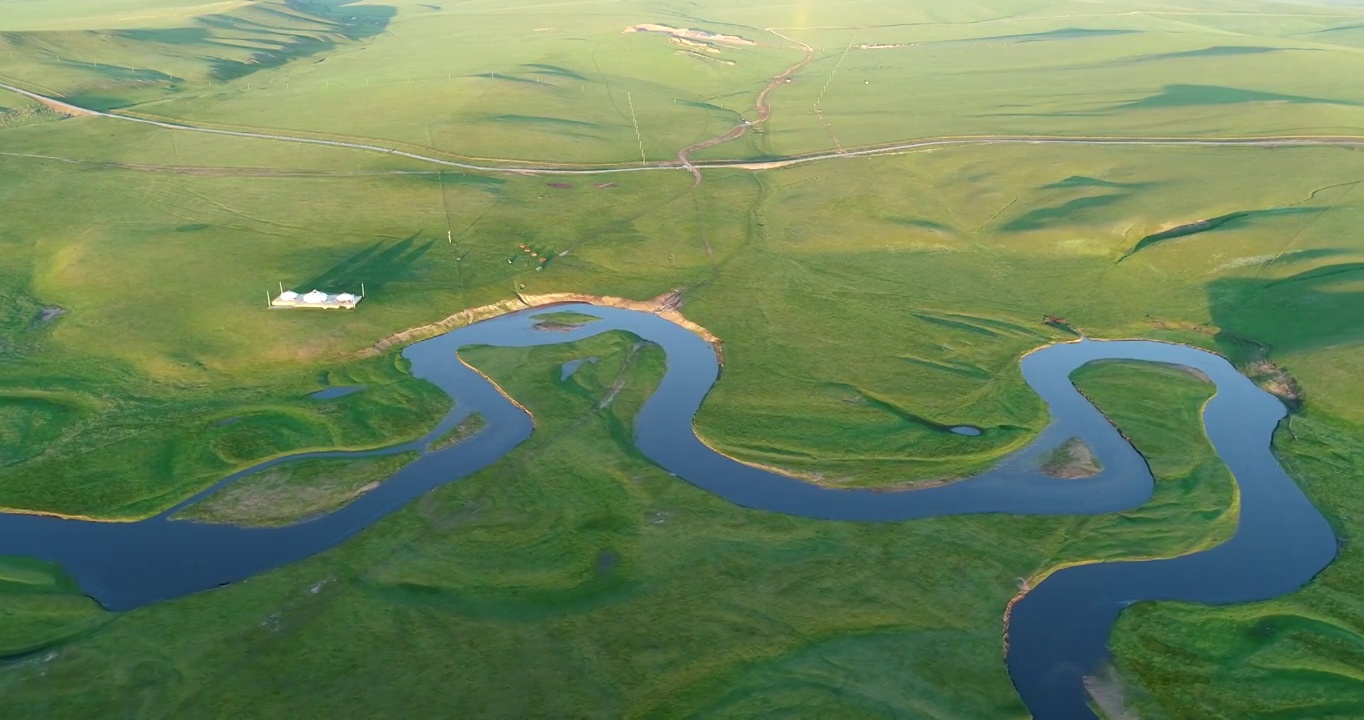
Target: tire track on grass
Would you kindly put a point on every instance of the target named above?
(1266, 141)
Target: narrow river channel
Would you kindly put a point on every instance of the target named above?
(1058, 633)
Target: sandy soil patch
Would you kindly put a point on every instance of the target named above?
(692, 34)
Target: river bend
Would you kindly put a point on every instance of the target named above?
(1058, 632)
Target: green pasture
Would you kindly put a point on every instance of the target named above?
(578, 579)
(1295, 656)
(41, 607)
(865, 305)
(564, 83)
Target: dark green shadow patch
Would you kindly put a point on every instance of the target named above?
(543, 120)
(1210, 224)
(1219, 51)
(1289, 315)
(1042, 217)
(921, 223)
(554, 70)
(375, 267)
(1083, 182)
(1060, 34)
(1172, 96)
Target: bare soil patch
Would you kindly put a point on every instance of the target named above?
(1110, 696)
(1074, 460)
(692, 34)
(295, 491)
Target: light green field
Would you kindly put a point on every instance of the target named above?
(865, 305)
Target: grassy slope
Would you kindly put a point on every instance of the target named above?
(1192, 506)
(884, 296)
(1296, 656)
(575, 579)
(40, 607)
(70, 447)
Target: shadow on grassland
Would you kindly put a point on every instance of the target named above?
(1173, 96)
(483, 182)
(563, 127)
(277, 33)
(1218, 51)
(1043, 217)
(1102, 194)
(375, 267)
(345, 18)
(543, 69)
(1059, 34)
(1312, 309)
(1184, 96)
(1083, 182)
(1238, 218)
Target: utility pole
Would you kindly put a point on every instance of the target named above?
(638, 137)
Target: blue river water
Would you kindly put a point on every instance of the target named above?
(1059, 630)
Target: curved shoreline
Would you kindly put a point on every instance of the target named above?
(1057, 632)
(665, 306)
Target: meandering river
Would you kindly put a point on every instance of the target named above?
(1058, 632)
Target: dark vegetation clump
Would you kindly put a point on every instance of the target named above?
(1060, 323)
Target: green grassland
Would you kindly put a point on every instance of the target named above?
(574, 578)
(562, 82)
(41, 608)
(865, 305)
(1296, 656)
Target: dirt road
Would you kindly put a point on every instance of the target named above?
(764, 110)
(776, 163)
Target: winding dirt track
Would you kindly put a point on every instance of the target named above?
(764, 109)
(1267, 141)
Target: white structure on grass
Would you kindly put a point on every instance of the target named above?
(316, 299)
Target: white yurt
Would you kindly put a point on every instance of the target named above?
(345, 299)
(316, 297)
(288, 296)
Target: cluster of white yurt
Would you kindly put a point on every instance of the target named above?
(315, 299)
